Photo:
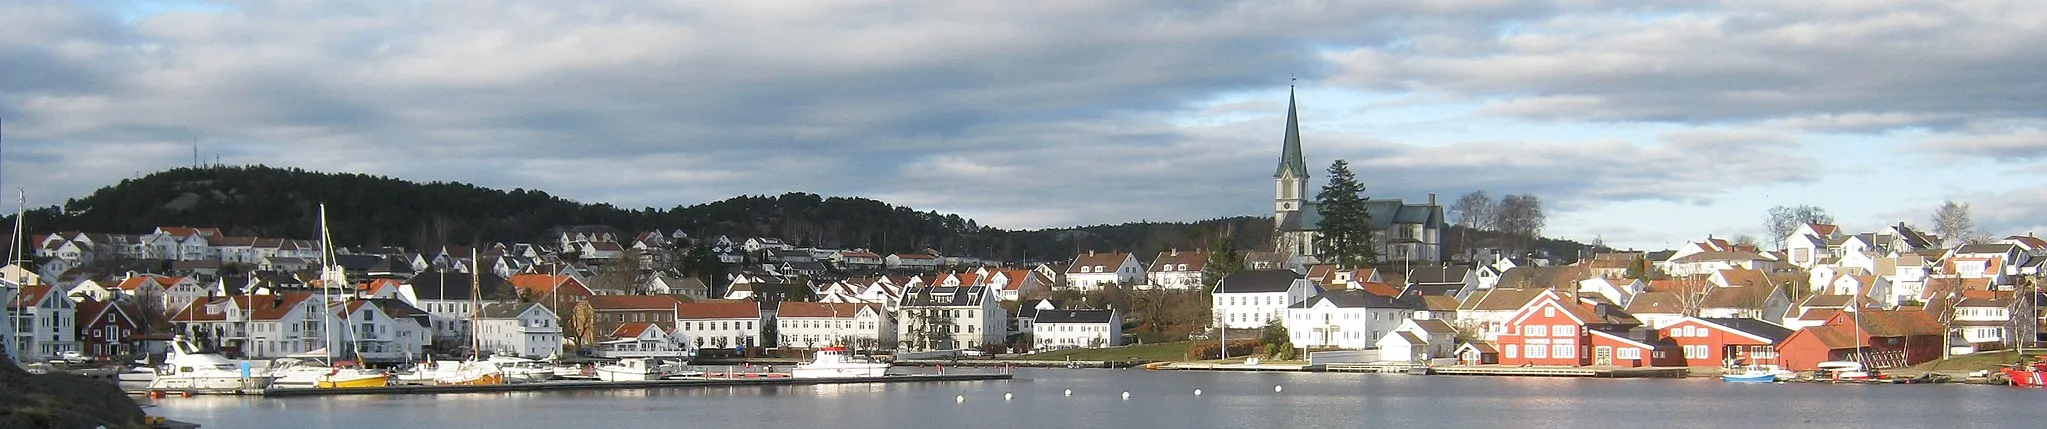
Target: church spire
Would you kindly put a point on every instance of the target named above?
(1290, 156)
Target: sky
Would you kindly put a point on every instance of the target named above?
(1641, 124)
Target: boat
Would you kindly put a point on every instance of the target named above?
(636, 369)
(309, 373)
(190, 369)
(522, 370)
(1841, 370)
(837, 361)
(453, 373)
(136, 377)
(2034, 375)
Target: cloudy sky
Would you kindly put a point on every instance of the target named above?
(1643, 123)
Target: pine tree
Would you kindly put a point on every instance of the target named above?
(1346, 227)
(1223, 258)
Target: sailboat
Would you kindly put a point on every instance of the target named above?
(471, 372)
(306, 372)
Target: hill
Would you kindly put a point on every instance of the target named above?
(382, 211)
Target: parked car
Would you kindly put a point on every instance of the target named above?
(973, 353)
(73, 357)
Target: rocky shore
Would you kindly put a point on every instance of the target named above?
(59, 400)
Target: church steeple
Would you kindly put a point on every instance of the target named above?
(1290, 155)
(1291, 180)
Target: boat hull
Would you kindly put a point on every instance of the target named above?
(209, 384)
(2023, 378)
(841, 371)
(353, 382)
(1749, 378)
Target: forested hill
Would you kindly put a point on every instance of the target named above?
(382, 211)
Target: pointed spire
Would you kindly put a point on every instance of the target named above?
(1290, 156)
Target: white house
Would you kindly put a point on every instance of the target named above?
(1062, 329)
(1345, 319)
(1418, 341)
(259, 326)
(950, 318)
(813, 325)
(1094, 271)
(912, 262)
(1177, 270)
(644, 339)
(43, 322)
(1250, 298)
(446, 297)
(362, 327)
(719, 325)
(1983, 324)
(1617, 291)
(1487, 311)
(520, 329)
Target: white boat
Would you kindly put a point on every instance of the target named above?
(1756, 374)
(836, 361)
(136, 377)
(1841, 370)
(636, 369)
(453, 373)
(191, 370)
(304, 373)
(522, 370)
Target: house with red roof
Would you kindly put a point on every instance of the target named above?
(43, 322)
(1177, 270)
(1097, 270)
(256, 326)
(607, 312)
(642, 339)
(1877, 338)
(105, 329)
(859, 260)
(912, 262)
(1559, 330)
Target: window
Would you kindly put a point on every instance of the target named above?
(1563, 350)
(1510, 350)
(1564, 331)
(1549, 312)
(1535, 331)
(1538, 351)
(1628, 353)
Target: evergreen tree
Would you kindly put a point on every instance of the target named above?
(1346, 226)
(1223, 258)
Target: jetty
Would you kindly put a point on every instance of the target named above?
(1513, 371)
(551, 386)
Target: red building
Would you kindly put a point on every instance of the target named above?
(106, 329)
(1881, 339)
(1723, 342)
(1557, 330)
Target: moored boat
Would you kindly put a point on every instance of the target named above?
(837, 361)
(522, 370)
(1755, 374)
(189, 369)
(303, 373)
(635, 369)
(2034, 375)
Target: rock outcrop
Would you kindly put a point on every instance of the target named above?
(60, 400)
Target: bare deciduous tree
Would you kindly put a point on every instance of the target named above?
(1474, 210)
(1784, 220)
(1954, 225)
(1521, 215)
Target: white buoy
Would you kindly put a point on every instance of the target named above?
(1069, 392)
(959, 399)
(1126, 395)
(1197, 392)
(1276, 388)
(1007, 395)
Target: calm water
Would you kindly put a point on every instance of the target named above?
(1164, 399)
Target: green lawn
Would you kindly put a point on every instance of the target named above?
(1173, 351)
(1979, 361)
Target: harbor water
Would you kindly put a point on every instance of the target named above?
(1162, 399)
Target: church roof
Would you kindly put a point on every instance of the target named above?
(1290, 157)
(1384, 212)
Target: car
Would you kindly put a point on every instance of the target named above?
(72, 357)
(973, 353)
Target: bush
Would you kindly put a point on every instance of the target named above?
(1206, 350)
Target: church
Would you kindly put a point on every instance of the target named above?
(1401, 232)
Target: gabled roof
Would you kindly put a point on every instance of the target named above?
(1435, 326)
(1439, 302)
(1108, 260)
(1257, 281)
(1500, 299)
(944, 296)
(1075, 316)
(504, 310)
(1438, 274)
(818, 309)
(1772, 332)
(633, 329)
(1354, 299)
(632, 302)
(1196, 260)
(1656, 303)
(449, 285)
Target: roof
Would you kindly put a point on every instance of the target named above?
(1656, 303)
(1075, 316)
(1196, 260)
(1987, 248)
(1354, 299)
(1589, 313)
(449, 285)
(717, 310)
(1875, 323)
(632, 302)
(1110, 260)
(1438, 274)
(1258, 281)
(260, 307)
(1439, 302)
(504, 310)
(817, 309)
(944, 296)
(633, 329)
(1774, 332)
(540, 284)
(1745, 297)
(1435, 326)
(1827, 301)
(1384, 214)
(30, 295)
(1500, 299)
(1543, 277)
(1720, 256)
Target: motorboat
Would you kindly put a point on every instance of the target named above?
(636, 369)
(522, 370)
(453, 373)
(2034, 375)
(1839, 370)
(1755, 374)
(836, 362)
(304, 373)
(189, 369)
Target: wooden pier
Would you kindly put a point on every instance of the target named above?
(1564, 371)
(560, 385)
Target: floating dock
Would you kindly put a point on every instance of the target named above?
(1564, 371)
(560, 385)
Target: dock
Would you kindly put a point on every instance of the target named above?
(551, 386)
(1008, 363)
(1564, 371)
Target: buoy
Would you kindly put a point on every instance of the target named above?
(1276, 388)
(1197, 392)
(1126, 395)
(959, 399)
(1007, 395)
(1069, 392)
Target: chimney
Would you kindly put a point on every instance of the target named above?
(1176, 251)
(1432, 199)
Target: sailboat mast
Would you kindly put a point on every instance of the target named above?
(326, 293)
(475, 293)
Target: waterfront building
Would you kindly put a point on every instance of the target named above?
(363, 328)
(523, 329)
(814, 324)
(1725, 342)
(1098, 270)
(643, 339)
(447, 297)
(1017, 283)
(1062, 329)
(1985, 322)
(1560, 330)
(1877, 338)
(1250, 298)
(950, 318)
(607, 312)
(1344, 319)
(1488, 311)
(1418, 341)
(257, 326)
(720, 325)
(105, 329)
